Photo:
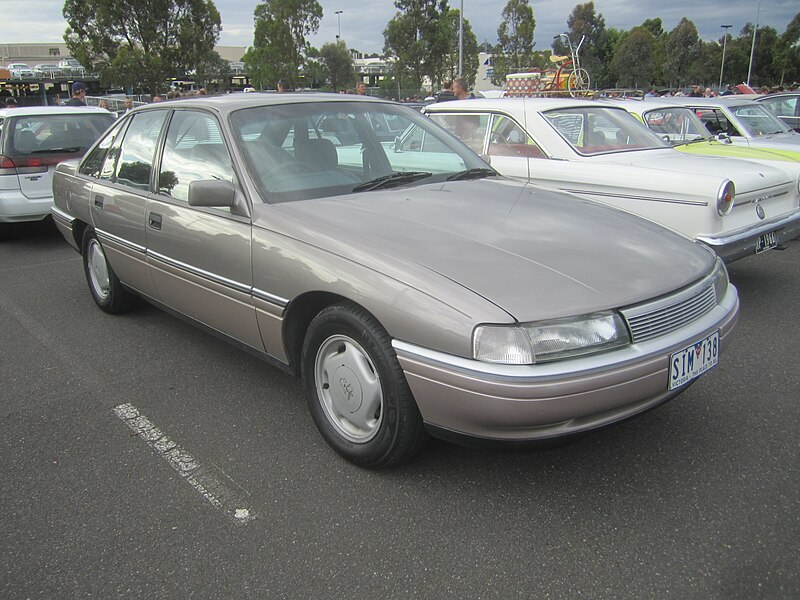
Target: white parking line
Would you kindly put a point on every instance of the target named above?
(199, 477)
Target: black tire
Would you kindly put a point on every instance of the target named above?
(368, 415)
(106, 289)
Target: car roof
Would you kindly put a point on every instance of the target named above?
(227, 103)
(640, 106)
(734, 100)
(28, 111)
(514, 104)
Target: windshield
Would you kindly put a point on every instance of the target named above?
(676, 125)
(596, 130)
(312, 150)
(757, 120)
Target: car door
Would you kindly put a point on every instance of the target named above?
(201, 256)
(118, 198)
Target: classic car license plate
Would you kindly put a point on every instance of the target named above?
(693, 361)
(766, 241)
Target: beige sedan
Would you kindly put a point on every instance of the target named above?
(413, 291)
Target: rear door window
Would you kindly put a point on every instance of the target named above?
(138, 149)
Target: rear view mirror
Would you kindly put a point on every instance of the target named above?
(212, 193)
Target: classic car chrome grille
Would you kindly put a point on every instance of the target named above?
(671, 316)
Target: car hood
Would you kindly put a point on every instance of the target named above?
(534, 253)
(747, 176)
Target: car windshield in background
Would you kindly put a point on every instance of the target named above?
(757, 120)
(53, 133)
(676, 125)
(312, 150)
(597, 130)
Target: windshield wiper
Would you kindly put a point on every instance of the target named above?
(46, 150)
(478, 173)
(391, 180)
(694, 141)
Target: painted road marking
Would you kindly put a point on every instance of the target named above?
(201, 478)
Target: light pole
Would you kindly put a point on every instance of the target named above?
(753, 45)
(461, 40)
(724, 43)
(339, 20)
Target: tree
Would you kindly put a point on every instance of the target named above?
(596, 51)
(514, 51)
(279, 41)
(141, 43)
(682, 51)
(338, 64)
(633, 58)
(419, 39)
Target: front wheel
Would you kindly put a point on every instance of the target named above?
(106, 289)
(356, 390)
(579, 83)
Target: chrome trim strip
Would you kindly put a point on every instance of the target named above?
(717, 318)
(737, 202)
(682, 296)
(63, 216)
(121, 241)
(239, 287)
(743, 234)
(271, 298)
(630, 197)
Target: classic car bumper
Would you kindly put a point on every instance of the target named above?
(64, 223)
(470, 398)
(738, 244)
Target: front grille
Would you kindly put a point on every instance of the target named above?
(669, 316)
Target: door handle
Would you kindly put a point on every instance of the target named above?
(98, 202)
(154, 220)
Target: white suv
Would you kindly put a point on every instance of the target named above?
(32, 142)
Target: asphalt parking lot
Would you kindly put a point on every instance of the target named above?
(144, 458)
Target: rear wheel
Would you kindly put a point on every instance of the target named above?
(106, 289)
(356, 390)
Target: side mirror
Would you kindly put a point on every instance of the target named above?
(396, 146)
(212, 193)
(487, 159)
(723, 137)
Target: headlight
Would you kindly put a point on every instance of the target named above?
(545, 341)
(725, 197)
(720, 280)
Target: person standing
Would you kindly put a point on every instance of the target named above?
(78, 94)
(461, 89)
(361, 88)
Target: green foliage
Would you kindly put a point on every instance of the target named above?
(683, 50)
(596, 52)
(141, 43)
(337, 64)
(514, 51)
(450, 23)
(633, 58)
(279, 41)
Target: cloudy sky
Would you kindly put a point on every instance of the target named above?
(363, 21)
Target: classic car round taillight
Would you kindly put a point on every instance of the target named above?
(727, 192)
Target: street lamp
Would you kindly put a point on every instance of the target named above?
(339, 19)
(724, 43)
(753, 45)
(461, 40)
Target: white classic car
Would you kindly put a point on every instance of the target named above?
(601, 152)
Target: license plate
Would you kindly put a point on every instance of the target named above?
(766, 241)
(692, 361)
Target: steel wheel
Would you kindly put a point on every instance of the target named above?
(356, 390)
(97, 268)
(349, 388)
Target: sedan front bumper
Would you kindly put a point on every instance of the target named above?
(466, 397)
